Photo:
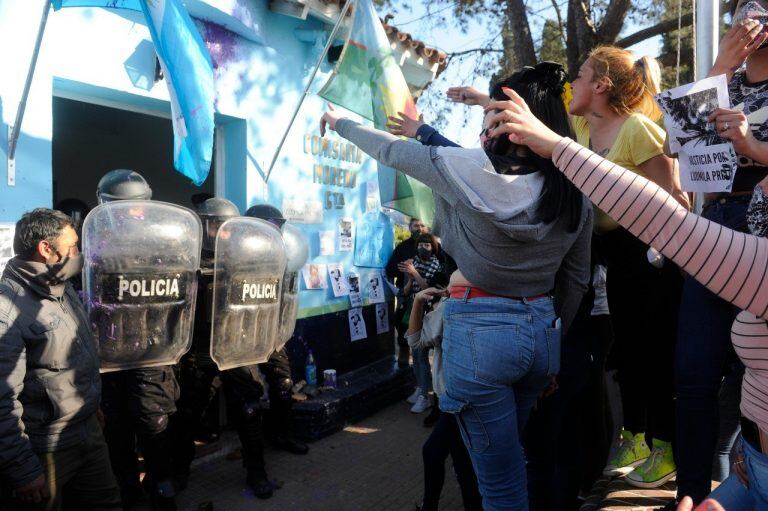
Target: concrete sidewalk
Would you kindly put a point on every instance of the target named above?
(372, 465)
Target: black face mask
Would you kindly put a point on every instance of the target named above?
(424, 253)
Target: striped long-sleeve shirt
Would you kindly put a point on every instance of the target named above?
(732, 264)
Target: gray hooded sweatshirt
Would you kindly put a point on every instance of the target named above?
(489, 222)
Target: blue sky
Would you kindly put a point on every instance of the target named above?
(450, 39)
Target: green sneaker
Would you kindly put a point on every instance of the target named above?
(657, 469)
(632, 452)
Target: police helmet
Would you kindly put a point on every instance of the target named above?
(214, 212)
(122, 184)
(267, 212)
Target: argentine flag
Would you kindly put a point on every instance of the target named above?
(188, 72)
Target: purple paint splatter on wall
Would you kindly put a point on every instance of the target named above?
(221, 43)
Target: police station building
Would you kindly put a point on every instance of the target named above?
(98, 102)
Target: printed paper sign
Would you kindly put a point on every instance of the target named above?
(327, 242)
(707, 162)
(376, 288)
(346, 242)
(382, 318)
(303, 212)
(6, 244)
(372, 198)
(357, 329)
(338, 279)
(314, 276)
(353, 283)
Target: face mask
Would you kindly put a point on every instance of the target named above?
(752, 11)
(424, 253)
(63, 270)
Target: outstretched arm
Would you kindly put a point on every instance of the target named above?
(731, 264)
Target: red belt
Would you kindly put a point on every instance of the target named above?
(468, 293)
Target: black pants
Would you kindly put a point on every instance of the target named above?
(566, 438)
(644, 303)
(444, 440)
(277, 374)
(243, 389)
(138, 405)
(78, 478)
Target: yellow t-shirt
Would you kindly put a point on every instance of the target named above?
(639, 140)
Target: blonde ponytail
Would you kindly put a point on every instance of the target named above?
(633, 83)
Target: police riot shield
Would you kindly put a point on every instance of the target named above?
(141, 259)
(297, 250)
(247, 277)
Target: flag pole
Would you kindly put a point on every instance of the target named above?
(328, 44)
(16, 128)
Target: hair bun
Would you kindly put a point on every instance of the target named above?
(549, 75)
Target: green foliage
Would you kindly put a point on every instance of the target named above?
(401, 234)
(552, 45)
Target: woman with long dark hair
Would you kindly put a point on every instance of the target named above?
(512, 223)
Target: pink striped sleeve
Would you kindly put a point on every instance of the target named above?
(730, 263)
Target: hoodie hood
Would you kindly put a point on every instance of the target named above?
(510, 201)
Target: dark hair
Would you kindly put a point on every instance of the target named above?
(413, 219)
(431, 239)
(41, 224)
(732, 8)
(542, 87)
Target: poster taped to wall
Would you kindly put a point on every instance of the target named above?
(346, 241)
(376, 288)
(707, 161)
(357, 329)
(6, 244)
(353, 283)
(372, 198)
(382, 318)
(327, 243)
(314, 276)
(375, 240)
(302, 211)
(338, 279)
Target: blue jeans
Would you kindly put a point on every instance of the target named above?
(497, 356)
(733, 496)
(422, 370)
(703, 352)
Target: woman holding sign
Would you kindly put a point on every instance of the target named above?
(614, 114)
(704, 353)
(731, 264)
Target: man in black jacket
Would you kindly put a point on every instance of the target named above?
(50, 439)
(404, 251)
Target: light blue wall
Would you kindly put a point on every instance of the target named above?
(261, 68)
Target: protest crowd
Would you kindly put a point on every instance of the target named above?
(565, 260)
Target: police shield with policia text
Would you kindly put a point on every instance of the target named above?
(237, 320)
(141, 259)
(247, 277)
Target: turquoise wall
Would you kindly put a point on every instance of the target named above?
(262, 62)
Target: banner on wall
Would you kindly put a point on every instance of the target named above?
(382, 318)
(303, 211)
(338, 279)
(314, 276)
(346, 241)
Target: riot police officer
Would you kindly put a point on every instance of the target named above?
(277, 370)
(200, 377)
(138, 403)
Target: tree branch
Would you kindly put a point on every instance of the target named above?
(663, 27)
(474, 50)
(559, 21)
(613, 20)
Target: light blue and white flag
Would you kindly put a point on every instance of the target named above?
(188, 72)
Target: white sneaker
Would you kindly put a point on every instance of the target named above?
(421, 405)
(413, 397)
